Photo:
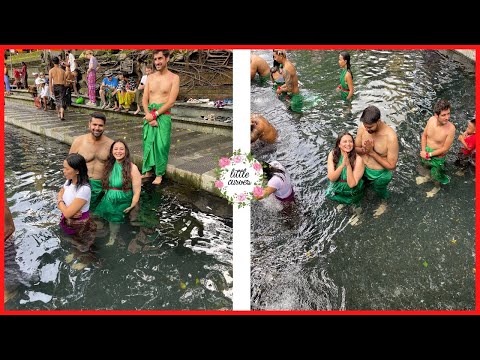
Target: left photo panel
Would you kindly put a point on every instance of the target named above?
(110, 163)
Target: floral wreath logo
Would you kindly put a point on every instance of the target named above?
(239, 178)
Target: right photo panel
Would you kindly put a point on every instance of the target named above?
(368, 198)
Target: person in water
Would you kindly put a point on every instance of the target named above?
(278, 184)
(437, 138)
(377, 144)
(345, 171)
(261, 129)
(259, 66)
(346, 76)
(466, 153)
(290, 87)
(122, 182)
(73, 200)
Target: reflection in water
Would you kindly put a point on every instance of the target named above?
(420, 252)
(175, 254)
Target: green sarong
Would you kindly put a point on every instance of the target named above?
(344, 84)
(115, 200)
(296, 102)
(437, 167)
(379, 180)
(97, 193)
(156, 142)
(263, 80)
(341, 192)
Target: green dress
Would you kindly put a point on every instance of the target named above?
(156, 142)
(341, 192)
(343, 83)
(115, 200)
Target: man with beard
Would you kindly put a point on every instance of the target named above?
(159, 95)
(377, 144)
(95, 148)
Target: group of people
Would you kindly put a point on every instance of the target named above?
(100, 176)
(371, 157)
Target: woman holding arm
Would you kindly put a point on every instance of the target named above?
(345, 171)
(73, 200)
(122, 181)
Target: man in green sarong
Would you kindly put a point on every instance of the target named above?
(291, 81)
(95, 148)
(259, 66)
(377, 143)
(160, 94)
(437, 138)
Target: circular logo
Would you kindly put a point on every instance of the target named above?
(239, 178)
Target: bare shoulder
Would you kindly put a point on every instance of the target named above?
(391, 133)
(134, 169)
(451, 127)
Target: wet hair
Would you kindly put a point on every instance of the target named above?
(352, 155)
(440, 106)
(77, 162)
(472, 121)
(370, 115)
(126, 167)
(165, 53)
(269, 171)
(98, 115)
(280, 52)
(346, 56)
(56, 60)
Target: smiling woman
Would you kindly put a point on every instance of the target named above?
(122, 181)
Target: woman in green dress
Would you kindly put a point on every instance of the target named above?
(122, 181)
(345, 171)
(346, 76)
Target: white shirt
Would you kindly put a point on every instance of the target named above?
(71, 192)
(281, 182)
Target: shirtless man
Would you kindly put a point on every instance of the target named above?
(56, 77)
(437, 138)
(95, 148)
(160, 94)
(291, 81)
(377, 144)
(261, 129)
(260, 66)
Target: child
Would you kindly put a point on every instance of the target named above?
(468, 141)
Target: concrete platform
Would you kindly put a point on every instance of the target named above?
(193, 156)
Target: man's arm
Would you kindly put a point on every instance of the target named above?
(423, 153)
(288, 86)
(358, 141)
(146, 96)
(75, 146)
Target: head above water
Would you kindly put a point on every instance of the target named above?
(370, 115)
(78, 163)
(98, 115)
(440, 106)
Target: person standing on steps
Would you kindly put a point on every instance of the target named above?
(160, 94)
(57, 80)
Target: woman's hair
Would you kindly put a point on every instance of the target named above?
(352, 156)
(346, 56)
(126, 168)
(270, 171)
(77, 162)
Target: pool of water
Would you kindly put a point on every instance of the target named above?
(176, 255)
(420, 253)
